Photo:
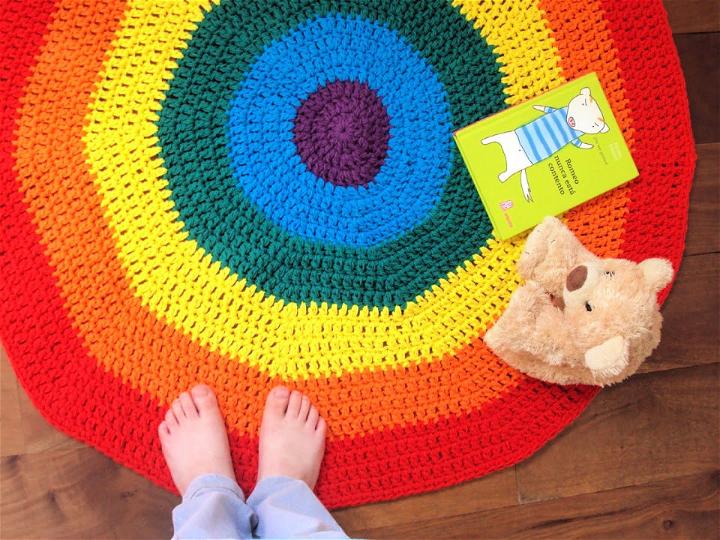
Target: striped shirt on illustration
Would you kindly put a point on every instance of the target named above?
(544, 136)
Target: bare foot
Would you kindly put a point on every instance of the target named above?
(194, 439)
(292, 437)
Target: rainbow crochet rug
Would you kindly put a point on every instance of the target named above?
(260, 192)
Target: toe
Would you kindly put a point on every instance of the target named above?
(171, 419)
(313, 417)
(293, 408)
(304, 408)
(204, 398)
(163, 431)
(321, 429)
(188, 406)
(178, 410)
(277, 401)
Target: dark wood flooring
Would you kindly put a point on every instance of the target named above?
(641, 462)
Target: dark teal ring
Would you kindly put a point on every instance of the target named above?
(193, 140)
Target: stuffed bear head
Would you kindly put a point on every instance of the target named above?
(608, 303)
(579, 318)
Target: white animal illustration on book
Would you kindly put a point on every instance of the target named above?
(539, 139)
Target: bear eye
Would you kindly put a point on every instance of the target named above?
(588, 307)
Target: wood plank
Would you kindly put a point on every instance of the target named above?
(11, 426)
(493, 491)
(653, 427)
(685, 507)
(692, 16)
(698, 56)
(691, 330)
(703, 234)
(78, 493)
(38, 434)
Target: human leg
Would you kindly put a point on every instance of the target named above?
(195, 446)
(287, 508)
(292, 444)
(213, 506)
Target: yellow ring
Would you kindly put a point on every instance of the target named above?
(182, 283)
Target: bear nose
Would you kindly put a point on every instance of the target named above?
(576, 278)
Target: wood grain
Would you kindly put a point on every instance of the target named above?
(652, 427)
(38, 434)
(691, 327)
(693, 16)
(682, 507)
(11, 428)
(703, 235)
(699, 55)
(78, 493)
(493, 491)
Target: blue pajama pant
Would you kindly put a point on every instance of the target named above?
(279, 507)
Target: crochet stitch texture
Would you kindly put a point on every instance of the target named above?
(261, 192)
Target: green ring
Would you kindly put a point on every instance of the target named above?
(226, 224)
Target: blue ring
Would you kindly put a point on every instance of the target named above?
(269, 170)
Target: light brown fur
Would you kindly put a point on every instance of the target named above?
(606, 328)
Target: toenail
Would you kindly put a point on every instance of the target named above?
(280, 391)
(200, 390)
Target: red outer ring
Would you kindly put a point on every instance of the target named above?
(78, 397)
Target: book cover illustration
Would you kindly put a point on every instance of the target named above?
(546, 156)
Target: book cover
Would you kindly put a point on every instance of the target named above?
(546, 155)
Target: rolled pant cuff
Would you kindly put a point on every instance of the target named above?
(287, 507)
(213, 482)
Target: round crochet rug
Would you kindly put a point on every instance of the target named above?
(261, 192)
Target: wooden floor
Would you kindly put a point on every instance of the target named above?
(641, 462)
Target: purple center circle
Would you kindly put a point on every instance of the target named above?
(341, 133)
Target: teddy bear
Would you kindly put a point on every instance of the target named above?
(541, 138)
(579, 318)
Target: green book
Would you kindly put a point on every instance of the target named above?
(546, 155)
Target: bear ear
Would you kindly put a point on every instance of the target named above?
(609, 358)
(585, 92)
(657, 272)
